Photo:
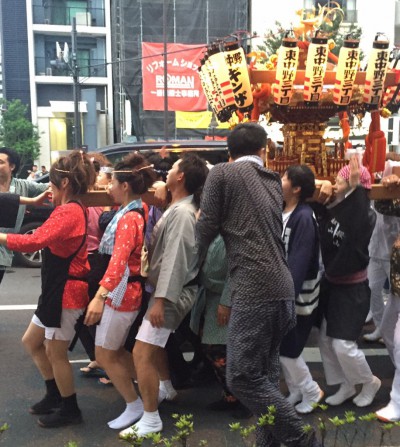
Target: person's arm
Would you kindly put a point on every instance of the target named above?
(9, 205)
(355, 172)
(211, 206)
(389, 207)
(59, 227)
(35, 188)
(37, 200)
(325, 192)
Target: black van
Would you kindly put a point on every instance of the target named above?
(214, 151)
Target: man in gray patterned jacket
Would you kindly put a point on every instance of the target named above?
(243, 202)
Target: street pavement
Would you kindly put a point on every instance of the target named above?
(21, 386)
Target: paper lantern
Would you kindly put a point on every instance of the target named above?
(206, 85)
(376, 72)
(349, 57)
(288, 56)
(235, 60)
(217, 102)
(216, 58)
(317, 58)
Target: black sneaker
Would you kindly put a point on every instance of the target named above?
(47, 405)
(60, 419)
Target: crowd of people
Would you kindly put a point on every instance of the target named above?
(233, 258)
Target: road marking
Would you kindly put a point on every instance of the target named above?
(309, 354)
(313, 354)
(18, 307)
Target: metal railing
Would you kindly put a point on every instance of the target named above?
(56, 15)
(92, 68)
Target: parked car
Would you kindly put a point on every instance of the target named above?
(214, 151)
(33, 218)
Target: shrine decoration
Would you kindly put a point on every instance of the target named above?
(213, 91)
(235, 60)
(376, 72)
(375, 145)
(288, 57)
(302, 84)
(206, 85)
(317, 59)
(226, 69)
(349, 57)
(216, 59)
(345, 126)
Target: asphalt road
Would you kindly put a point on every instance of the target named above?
(20, 386)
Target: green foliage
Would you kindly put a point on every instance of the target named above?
(183, 428)
(4, 427)
(17, 132)
(71, 444)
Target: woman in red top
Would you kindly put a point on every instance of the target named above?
(117, 301)
(64, 287)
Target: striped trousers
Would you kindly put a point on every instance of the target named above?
(256, 329)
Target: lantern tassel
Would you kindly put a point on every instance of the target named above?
(344, 124)
(375, 145)
(258, 95)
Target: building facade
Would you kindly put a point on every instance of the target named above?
(37, 55)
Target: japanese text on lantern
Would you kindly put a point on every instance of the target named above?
(285, 75)
(315, 71)
(345, 75)
(375, 77)
(238, 76)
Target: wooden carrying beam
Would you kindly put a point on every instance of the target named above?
(101, 198)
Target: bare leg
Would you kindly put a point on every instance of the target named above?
(145, 357)
(114, 363)
(33, 342)
(57, 352)
(162, 365)
(127, 360)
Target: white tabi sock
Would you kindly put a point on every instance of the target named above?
(132, 413)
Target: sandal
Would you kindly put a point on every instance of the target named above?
(92, 371)
(105, 381)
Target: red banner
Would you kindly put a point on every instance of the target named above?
(184, 89)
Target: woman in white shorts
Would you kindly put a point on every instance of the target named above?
(118, 299)
(64, 288)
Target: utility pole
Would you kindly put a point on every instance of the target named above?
(165, 25)
(77, 134)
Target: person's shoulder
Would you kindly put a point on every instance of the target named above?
(184, 209)
(304, 209)
(133, 216)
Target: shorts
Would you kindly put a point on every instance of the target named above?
(67, 330)
(153, 335)
(114, 327)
